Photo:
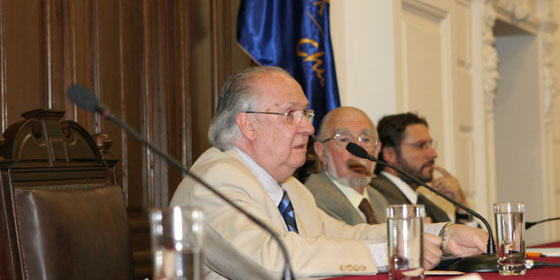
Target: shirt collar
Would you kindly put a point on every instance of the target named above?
(270, 185)
(408, 192)
(351, 194)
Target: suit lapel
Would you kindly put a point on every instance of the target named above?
(432, 210)
(340, 198)
(262, 197)
(389, 190)
(395, 196)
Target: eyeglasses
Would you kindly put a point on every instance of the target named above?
(342, 139)
(424, 145)
(292, 116)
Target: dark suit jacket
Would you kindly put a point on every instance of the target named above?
(334, 202)
(394, 196)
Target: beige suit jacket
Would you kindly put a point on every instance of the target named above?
(236, 248)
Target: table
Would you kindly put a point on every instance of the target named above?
(535, 273)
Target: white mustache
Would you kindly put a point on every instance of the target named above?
(353, 164)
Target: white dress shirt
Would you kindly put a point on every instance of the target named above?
(352, 195)
(269, 184)
(410, 194)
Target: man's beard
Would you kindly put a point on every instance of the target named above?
(350, 181)
(402, 164)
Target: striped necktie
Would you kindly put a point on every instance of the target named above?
(287, 212)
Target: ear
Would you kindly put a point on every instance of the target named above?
(246, 126)
(377, 149)
(389, 155)
(320, 152)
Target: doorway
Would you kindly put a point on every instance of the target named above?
(517, 113)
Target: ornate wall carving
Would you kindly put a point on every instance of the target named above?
(489, 58)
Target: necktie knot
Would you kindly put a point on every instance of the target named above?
(366, 208)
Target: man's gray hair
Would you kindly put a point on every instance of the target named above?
(238, 95)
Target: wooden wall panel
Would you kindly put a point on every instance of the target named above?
(179, 123)
(24, 58)
(53, 49)
(77, 49)
(132, 175)
(158, 64)
(200, 72)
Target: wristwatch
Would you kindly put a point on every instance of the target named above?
(443, 236)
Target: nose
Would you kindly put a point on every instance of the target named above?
(306, 127)
(432, 152)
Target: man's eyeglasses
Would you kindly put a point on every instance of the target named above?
(342, 139)
(424, 145)
(292, 116)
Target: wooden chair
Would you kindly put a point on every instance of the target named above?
(60, 215)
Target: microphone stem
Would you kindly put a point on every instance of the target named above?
(287, 273)
(530, 224)
(491, 245)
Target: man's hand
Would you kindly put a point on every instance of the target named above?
(432, 251)
(463, 241)
(449, 185)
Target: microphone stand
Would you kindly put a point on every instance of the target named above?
(479, 263)
(530, 224)
(95, 106)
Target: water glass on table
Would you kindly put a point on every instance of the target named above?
(177, 242)
(405, 229)
(510, 228)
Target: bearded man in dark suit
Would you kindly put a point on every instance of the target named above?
(408, 145)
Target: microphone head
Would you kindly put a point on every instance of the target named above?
(357, 150)
(83, 97)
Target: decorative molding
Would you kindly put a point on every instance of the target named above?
(465, 3)
(549, 77)
(521, 13)
(490, 75)
(519, 10)
(425, 10)
(524, 15)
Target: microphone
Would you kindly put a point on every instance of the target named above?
(85, 99)
(530, 224)
(82, 97)
(478, 263)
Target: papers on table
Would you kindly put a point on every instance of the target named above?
(545, 252)
(442, 272)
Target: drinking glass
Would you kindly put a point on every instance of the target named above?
(405, 228)
(510, 228)
(177, 242)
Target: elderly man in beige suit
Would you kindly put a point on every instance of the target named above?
(260, 133)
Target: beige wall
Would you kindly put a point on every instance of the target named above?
(363, 43)
(438, 58)
(555, 117)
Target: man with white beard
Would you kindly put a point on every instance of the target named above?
(341, 190)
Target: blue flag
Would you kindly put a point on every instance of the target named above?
(293, 35)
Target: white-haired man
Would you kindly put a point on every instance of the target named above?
(260, 134)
